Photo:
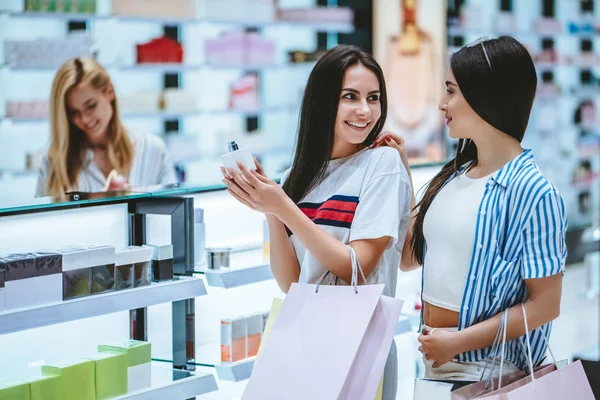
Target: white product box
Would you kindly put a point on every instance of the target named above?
(139, 377)
(19, 281)
(101, 255)
(75, 257)
(132, 255)
(48, 283)
(48, 289)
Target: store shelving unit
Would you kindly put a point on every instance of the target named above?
(319, 26)
(94, 306)
(174, 380)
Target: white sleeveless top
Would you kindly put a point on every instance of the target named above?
(449, 230)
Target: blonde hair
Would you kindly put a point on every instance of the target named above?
(68, 142)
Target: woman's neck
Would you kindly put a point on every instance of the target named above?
(345, 150)
(494, 152)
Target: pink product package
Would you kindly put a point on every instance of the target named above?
(226, 50)
(27, 109)
(240, 48)
(317, 14)
(260, 51)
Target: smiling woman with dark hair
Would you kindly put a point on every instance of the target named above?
(490, 229)
(338, 190)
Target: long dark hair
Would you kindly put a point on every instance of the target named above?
(500, 91)
(318, 115)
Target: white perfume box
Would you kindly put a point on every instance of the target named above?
(20, 283)
(48, 289)
(101, 255)
(48, 283)
(139, 377)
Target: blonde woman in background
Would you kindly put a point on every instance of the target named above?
(89, 142)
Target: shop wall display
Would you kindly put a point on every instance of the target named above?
(409, 42)
(563, 37)
(198, 73)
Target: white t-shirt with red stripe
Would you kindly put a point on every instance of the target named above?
(362, 196)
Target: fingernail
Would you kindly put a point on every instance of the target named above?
(387, 139)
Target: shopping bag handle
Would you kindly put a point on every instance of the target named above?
(498, 342)
(530, 358)
(356, 268)
(502, 329)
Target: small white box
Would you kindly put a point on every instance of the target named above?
(19, 294)
(139, 377)
(159, 253)
(75, 257)
(132, 255)
(101, 255)
(48, 289)
(48, 283)
(19, 284)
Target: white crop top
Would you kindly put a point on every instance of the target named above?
(449, 231)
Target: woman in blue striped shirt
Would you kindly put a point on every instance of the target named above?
(490, 229)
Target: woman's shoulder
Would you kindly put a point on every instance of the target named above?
(531, 178)
(383, 160)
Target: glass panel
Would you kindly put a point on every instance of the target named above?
(67, 201)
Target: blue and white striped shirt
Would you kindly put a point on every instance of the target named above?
(520, 234)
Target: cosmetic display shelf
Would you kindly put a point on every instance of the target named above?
(230, 278)
(320, 26)
(247, 267)
(93, 306)
(209, 355)
(49, 15)
(171, 67)
(460, 31)
(174, 384)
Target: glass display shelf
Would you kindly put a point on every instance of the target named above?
(180, 288)
(246, 267)
(319, 26)
(174, 384)
(70, 200)
(169, 67)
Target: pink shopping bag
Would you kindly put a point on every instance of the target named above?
(363, 380)
(324, 341)
(569, 382)
(552, 383)
(313, 343)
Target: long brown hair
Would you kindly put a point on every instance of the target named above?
(68, 142)
(318, 115)
(501, 92)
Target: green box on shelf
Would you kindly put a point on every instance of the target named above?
(47, 387)
(111, 374)
(14, 391)
(60, 6)
(138, 352)
(83, 6)
(77, 377)
(139, 356)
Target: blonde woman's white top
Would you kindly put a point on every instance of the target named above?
(151, 165)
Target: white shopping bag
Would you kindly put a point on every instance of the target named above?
(315, 348)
